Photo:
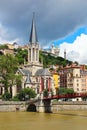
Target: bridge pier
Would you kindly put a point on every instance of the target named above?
(40, 104)
(44, 105)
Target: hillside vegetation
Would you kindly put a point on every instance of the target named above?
(51, 60)
(47, 60)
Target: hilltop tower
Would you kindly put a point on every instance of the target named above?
(65, 54)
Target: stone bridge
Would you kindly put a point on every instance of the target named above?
(32, 106)
(39, 105)
(35, 105)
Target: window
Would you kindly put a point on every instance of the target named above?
(77, 89)
(76, 75)
(36, 54)
(77, 84)
(33, 55)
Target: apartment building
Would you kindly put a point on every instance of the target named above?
(75, 77)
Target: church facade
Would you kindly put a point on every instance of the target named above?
(33, 74)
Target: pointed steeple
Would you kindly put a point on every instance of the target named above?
(28, 79)
(33, 34)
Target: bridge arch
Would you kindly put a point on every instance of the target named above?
(31, 108)
(1, 53)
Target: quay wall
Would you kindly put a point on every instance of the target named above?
(6, 106)
(68, 106)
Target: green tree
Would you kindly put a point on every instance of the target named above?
(48, 59)
(45, 92)
(8, 68)
(21, 55)
(70, 91)
(26, 94)
(7, 96)
(3, 47)
(65, 91)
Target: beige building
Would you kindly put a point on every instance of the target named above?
(75, 77)
(55, 51)
(10, 49)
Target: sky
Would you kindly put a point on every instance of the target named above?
(59, 22)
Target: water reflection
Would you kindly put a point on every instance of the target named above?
(70, 114)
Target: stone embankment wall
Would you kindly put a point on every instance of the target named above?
(68, 106)
(55, 107)
(12, 106)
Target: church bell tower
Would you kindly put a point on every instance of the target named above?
(33, 49)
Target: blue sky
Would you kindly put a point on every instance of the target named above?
(75, 45)
(71, 37)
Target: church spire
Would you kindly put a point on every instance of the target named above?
(33, 34)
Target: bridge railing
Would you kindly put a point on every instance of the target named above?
(73, 95)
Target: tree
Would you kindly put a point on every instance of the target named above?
(45, 92)
(48, 59)
(8, 68)
(65, 91)
(26, 94)
(7, 96)
(21, 55)
(70, 91)
(3, 47)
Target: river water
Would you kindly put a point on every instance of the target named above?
(63, 120)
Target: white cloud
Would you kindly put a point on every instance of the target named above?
(5, 36)
(78, 47)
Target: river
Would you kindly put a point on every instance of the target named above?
(63, 120)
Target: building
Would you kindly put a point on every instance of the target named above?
(74, 77)
(7, 51)
(83, 72)
(53, 51)
(33, 74)
(9, 48)
(56, 82)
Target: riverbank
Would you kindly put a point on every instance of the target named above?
(68, 106)
(12, 106)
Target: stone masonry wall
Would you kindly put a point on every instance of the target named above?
(12, 106)
(55, 107)
(68, 106)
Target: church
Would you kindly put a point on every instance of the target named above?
(33, 74)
